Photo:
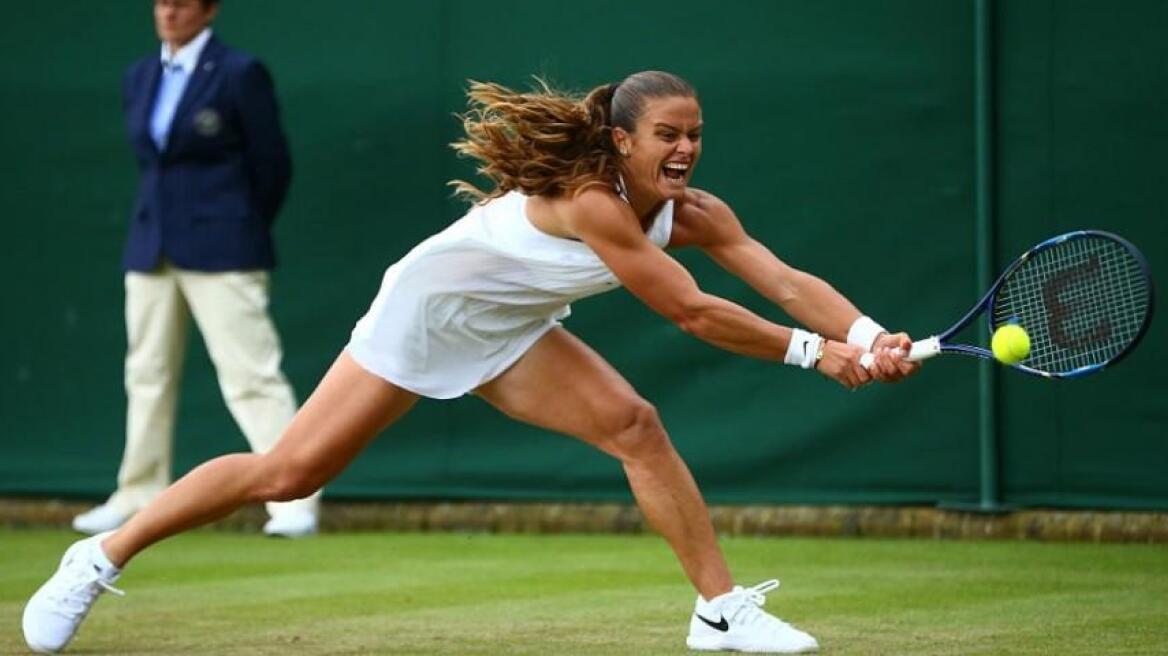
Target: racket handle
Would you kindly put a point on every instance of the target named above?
(921, 350)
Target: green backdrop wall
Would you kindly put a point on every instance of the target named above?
(842, 133)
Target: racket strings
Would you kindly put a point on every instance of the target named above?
(1083, 301)
(1081, 330)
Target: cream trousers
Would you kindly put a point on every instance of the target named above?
(231, 311)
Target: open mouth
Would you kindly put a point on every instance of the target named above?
(675, 171)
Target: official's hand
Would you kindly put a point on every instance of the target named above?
(890, 365)
(841, 363)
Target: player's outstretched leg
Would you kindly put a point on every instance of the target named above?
(601, 408)
(347, 410)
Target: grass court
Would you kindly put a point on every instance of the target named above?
(382, 593)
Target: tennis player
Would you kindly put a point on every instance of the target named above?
(586, 194)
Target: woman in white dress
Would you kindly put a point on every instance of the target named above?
(586, 193)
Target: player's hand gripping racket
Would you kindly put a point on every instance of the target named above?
(1085, 299)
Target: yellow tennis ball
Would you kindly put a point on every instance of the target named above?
(1010, 343)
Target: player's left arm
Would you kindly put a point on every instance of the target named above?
(705, 221)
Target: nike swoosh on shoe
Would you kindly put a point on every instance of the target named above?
(721, 625)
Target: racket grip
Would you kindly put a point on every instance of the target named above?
(921, 350)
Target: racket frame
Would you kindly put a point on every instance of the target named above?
(931, 346)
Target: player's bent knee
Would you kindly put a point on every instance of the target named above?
(287, 479)
(638, 432)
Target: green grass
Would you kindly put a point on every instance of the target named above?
(373, 593)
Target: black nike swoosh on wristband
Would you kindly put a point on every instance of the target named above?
(721, 625)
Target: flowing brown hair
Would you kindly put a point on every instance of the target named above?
(547, 142)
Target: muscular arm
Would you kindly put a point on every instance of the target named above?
(608, 225)
(707, 222)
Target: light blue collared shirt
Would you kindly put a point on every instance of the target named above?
(176, 72)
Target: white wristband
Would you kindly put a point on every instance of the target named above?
(803, 349)
(864, 332)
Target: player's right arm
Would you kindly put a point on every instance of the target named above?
(608, 225)
(707, 222)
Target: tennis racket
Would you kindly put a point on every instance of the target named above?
(1085, 299)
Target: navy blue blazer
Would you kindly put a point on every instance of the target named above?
(208, 200)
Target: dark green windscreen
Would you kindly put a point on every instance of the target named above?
(841, 132)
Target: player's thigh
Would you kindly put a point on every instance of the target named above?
(561, 384)
(349, 408)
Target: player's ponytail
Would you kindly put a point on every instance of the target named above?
(550, 143)
(543, 143)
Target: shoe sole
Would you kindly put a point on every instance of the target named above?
(719, 643)
(289, 535)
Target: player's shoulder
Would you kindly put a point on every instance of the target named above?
(701, 205)
(598, 210)
(594, 201)
(703, 219)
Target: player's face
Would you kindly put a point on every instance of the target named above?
(179, 21)
(664, 148)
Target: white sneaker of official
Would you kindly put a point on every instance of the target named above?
(291, 524)
(736, 621)
(55, 611)
(105, 517)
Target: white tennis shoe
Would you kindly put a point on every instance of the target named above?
(106, 517)
(56, 610)
(736, 621)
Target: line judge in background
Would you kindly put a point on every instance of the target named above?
(204, 125)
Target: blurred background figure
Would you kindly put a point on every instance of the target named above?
(204, 126)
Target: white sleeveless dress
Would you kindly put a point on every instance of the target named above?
(465, 304)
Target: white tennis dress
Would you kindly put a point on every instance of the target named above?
(465, 304)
